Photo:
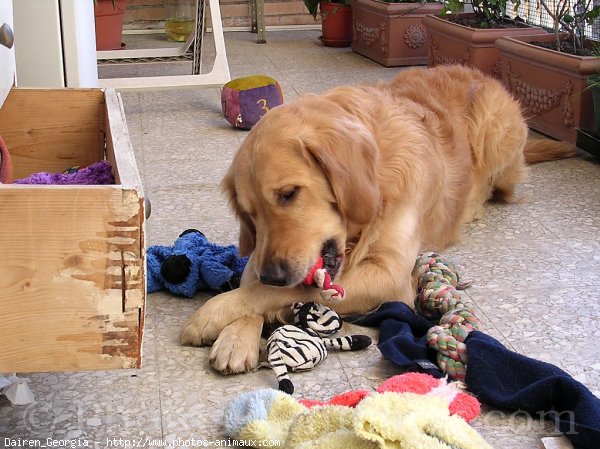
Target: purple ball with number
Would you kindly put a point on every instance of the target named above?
(245, 100)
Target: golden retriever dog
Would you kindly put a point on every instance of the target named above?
(366, 177)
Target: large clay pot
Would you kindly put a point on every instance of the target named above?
(452, 43)
(550, 85)
(392, 34)
(336, 20)
(109, 24)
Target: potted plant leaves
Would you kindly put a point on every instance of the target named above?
(589, 139)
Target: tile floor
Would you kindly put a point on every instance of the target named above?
(536, 268)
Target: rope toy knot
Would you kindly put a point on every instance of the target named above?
(436, 296)
(438, 300)
(451, 332)
(431, 262)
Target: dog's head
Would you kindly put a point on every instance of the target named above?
(303, 179)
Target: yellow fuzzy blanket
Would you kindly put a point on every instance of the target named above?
(380, 421)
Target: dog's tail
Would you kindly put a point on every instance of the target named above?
(541, 150)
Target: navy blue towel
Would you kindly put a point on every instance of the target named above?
(402, 337)
(506, 379)
(496, 375)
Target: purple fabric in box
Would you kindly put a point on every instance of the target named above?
(95, 174)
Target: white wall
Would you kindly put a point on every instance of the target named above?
(79, 42)
(48, 55)
(7, 56)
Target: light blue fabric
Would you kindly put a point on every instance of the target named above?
(246, 408)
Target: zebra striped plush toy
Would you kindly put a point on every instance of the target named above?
(301, 347)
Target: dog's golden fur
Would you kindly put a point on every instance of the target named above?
(378, 173)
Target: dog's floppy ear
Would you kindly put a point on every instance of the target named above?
(247, 231)
(247, 235)
(349, 156)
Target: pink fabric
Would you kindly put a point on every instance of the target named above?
(6, 166)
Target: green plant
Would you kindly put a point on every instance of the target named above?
(313, 5)
(492, 10)
(571, 16)
(487, 12)
(594, 80)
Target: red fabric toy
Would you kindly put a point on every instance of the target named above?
(348, 399)
(318, 277)
(460, 403)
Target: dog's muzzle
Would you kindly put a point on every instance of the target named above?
(276, 273)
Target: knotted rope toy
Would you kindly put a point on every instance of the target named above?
(320, 278)
(437, 287)
(438, 300)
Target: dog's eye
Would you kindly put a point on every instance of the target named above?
(288, 194)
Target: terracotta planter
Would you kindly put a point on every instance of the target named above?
(550, 85)
(392, 34)
(109, 24)
(336, 20)
(451, 43)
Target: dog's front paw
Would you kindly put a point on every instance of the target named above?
(198, 330)
(237, 348)
(208, 321)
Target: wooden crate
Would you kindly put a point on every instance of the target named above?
(72, 271)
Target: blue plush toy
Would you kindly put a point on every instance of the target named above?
(193, 264)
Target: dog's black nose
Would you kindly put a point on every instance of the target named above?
(275, 274)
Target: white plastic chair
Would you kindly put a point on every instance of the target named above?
(217, 77)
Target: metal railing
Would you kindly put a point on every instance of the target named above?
(532, 12)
